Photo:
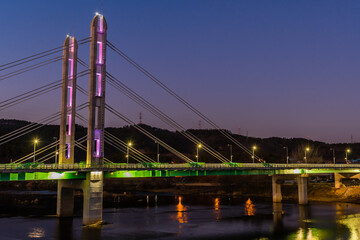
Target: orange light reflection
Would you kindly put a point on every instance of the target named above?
(217, 208)
(181, 212)
(249, 208)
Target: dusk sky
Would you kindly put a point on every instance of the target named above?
(272, 68)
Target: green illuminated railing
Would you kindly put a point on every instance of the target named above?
(29, 167)
(31, 171)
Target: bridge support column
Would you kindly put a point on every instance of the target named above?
(276, 189)
(302, 190)
(337, 179)
(65, 197)
(93, 198)
(65, 200)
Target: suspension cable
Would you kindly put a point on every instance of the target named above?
(33, 126)
(162, 116)
(38, 55)
(29, 68)
(34, 93)
(162, 143)
(171, 92)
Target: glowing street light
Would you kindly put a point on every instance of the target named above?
(346, 154)
(35, 142)
(306, 150)
(253, 153)
(197, 152)
(127, 152)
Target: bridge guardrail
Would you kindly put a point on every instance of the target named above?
(176, 166)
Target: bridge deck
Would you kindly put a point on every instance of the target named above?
(31, 171)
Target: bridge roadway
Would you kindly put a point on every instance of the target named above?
(34, 171)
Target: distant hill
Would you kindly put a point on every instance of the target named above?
(269, 149)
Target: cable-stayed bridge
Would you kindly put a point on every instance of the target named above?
(88, 175)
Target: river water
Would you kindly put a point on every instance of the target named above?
(191, 217)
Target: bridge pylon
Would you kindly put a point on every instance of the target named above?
(65, 196)
(96, 113)
(68, 101)
(93, 185)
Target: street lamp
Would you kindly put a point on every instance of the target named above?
(157, 152)
(306, 150)
(197, 152)
(333, 153)
(127, 152)
(35, 142)
(231, 156)
(287, 154)
(253, 153)
(346, 154)
(56, 149)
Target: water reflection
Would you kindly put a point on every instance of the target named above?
(91, 233)
(312, 234)
(36, 233)
(249, 208)
(64, 228)
(217, 209)
(304, 216)
(181, 212)
(204, 220)
(352, 222)
(278, 217)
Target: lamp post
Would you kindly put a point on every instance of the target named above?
(306, 150)
(157, 152)
(253, 153)
(333, 154)
(231, 156)
(346, 154)
(197, 152)
(127, 152)
(35, 142)
(56, 150)
(287, 154)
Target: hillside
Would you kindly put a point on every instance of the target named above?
(269, 149)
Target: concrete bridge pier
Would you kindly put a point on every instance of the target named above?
(93, 198)
(65, 197)
(302, 189)
(276, 189)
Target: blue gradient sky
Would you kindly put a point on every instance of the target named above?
(272, 68)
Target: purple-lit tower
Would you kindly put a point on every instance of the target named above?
(65, 196)
(68, 101)
(96, 114)
(93, 185)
